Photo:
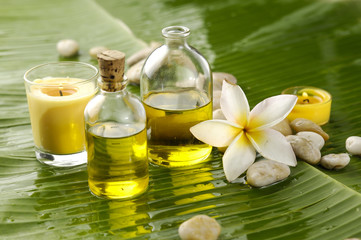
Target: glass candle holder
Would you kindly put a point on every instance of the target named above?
(313, 104)
(57, 94)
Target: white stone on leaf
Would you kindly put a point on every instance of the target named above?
(266, 172)
(199, 227)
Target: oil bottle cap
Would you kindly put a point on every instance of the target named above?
(111, 68)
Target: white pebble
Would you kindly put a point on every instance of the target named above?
(93, 52)
(304, 149)
(133, 73)
(302, 124)
(217, 99)
(283, 127)
(218, 114)
(142, 54)
(266, 172)
(314, 138)
(335, 161)
(199, 227)
(218, 78)
(353, 145)
(67, 47)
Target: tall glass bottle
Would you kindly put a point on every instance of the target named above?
(115, 124)
(176, 90)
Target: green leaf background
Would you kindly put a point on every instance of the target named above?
(268, 45)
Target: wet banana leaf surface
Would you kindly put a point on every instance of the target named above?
(268, 45)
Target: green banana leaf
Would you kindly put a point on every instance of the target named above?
(269, 45)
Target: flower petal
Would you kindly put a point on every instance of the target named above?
(234, 104)
(272, 145)
(271, 111)
(218, 133)
(238, 157)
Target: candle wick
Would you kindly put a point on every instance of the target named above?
(60, 87)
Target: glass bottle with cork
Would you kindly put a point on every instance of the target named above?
(115, 123)
(176, 90)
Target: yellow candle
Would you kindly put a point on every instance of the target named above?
(56, 107)
(313, 104)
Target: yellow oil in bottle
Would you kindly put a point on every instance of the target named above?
(170, 115)
(117, 166)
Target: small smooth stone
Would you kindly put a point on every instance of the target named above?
(335, 161)
(283, 127)
(199, 227)
(266, 172)
(217, 99)
(304, 149)
(67, 47)
(142, 54)
(133, 73)
(218, 78)
(93, 52)
(302, 124)
(353, 145)
(218, 114)
(314, 138)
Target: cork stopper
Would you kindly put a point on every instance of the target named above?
(111, 68)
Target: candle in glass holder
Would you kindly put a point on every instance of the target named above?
(313, 104)
(56, 105)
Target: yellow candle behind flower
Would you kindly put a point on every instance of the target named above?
(56, 107)
(307, 99)
(313, 104)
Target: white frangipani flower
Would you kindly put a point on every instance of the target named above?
(246, 132)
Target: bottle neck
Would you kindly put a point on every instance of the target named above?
(176, 43)
(175, 36)
(121, 92)
(114, 86)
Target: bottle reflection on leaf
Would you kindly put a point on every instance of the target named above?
(124, 219)
(60, 205)
(197, 199)
(178, 194)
